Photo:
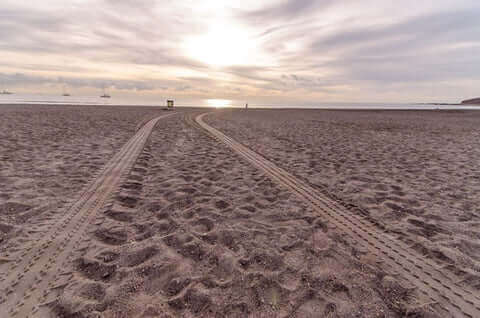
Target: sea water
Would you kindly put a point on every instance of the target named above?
(134, 101)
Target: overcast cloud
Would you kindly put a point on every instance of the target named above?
(285, 51)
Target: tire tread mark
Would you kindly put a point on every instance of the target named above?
(434, 282)
(58, 244)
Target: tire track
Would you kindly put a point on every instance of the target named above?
(439, 285)
(31, 277)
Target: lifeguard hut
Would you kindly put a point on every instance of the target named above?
(170, 104)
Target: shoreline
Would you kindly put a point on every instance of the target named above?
(417, 107)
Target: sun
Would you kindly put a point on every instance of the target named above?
(222, 45)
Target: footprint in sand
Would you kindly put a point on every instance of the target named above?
(111, 237)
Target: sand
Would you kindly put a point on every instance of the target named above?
(195, 231)
(416, 172)
(49, 153)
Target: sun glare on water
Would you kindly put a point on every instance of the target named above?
(219, 103)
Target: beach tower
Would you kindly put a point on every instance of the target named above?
(170, 104)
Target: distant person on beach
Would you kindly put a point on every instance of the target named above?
(246, 106)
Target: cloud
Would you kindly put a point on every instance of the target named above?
(434, 47)
(26, 79)
(285, 10)
(305, 49)
(110, 33)
(409, 34)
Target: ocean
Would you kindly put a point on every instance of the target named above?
(218, 103)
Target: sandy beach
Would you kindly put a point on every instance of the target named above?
(239, 159)
(415, 172)
(193, 230)
(49, 153)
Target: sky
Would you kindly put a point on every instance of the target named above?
(265, 52)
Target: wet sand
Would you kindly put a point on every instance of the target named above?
(417, 172)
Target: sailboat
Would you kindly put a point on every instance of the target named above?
(105, 95)
(5, 92)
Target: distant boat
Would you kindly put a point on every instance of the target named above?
(105, 95)
(4, 92)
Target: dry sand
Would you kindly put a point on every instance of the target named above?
(197, 232)
(417, 172)
(194, 230)
(48, 154)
